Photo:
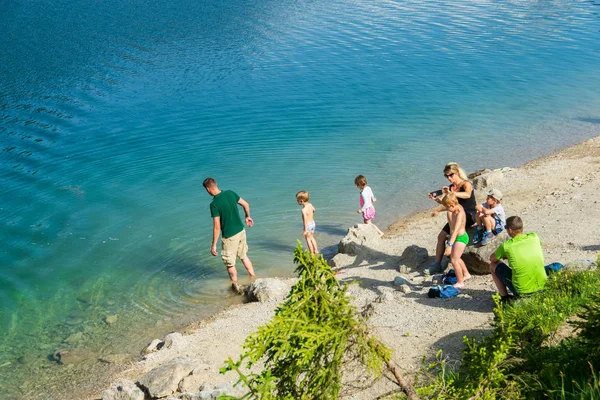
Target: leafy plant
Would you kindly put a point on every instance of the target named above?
(522, 357)
(315, 336)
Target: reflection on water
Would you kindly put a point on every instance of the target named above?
(112, 114)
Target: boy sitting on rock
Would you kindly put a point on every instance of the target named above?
(490, 218)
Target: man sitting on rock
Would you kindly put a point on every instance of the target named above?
(525, 272)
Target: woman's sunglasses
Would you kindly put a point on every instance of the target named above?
(449, 175)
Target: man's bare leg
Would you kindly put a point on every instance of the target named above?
(232, 273)
(248, 265)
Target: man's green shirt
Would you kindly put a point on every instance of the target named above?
(525, 258)
(225, 206)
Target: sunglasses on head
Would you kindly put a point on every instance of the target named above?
(449, 175)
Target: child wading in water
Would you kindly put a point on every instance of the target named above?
(458, 239)
(308, 218)
(366, 201)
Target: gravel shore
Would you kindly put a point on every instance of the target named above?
(556, 196)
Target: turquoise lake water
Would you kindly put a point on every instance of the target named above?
(112, 113)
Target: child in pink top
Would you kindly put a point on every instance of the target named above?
(366, 201)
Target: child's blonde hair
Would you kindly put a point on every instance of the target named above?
(456, 169)
(360, 181)
(302, 196)
(449, 199)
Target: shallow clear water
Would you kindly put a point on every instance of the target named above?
(112, 114)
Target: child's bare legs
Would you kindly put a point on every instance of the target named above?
(311, 243)
(368, 221)
(441, 246)
(489, 222)
(462, 274)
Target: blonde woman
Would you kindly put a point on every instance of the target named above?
(465, 194)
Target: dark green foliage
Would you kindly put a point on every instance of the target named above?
(315, 334)
(522, 358)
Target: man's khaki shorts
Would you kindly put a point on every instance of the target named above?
(232, 247)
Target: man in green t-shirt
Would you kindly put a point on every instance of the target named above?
(525, 273)
(227, 223)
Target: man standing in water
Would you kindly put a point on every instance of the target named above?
(227, 222)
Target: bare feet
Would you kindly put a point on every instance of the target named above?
(459, 285)
(468, 276)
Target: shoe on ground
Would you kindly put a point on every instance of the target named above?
(237, 288)
(433, 268)
(487, 237)
(478, 235)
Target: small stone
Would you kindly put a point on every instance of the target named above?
(74, 338)
(417, 280)
(385, 297)
(72, 356)
(404, 289)
(110, 319)
(154, 345)
(403, 269)
(400, 280)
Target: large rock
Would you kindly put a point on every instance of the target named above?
(164, 380)
(124, 390)
(173, 339)
(580, 265)
(360, 238)
(72, 356)
(341, 260)
(489, 179)
(477, 258)
(413, 256)
(208, 392)
(265, 289)
(195, 380)
(154, 345)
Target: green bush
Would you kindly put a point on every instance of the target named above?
(519, 359)
(315, 335)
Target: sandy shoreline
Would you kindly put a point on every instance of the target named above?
(555, 195)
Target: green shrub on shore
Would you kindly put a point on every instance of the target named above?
(545, 346)
(315, 335)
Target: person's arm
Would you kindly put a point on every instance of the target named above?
(468, 189)
(437, 211)
(437, 199)
(246, 208)
(216, 232)
(488, 211)
(494, 260)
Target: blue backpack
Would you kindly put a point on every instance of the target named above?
(553, 268)
(449, 291)
(450, 278)
(444, 292)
